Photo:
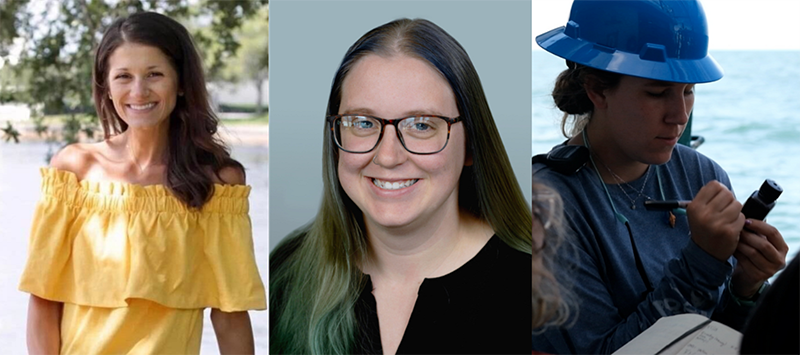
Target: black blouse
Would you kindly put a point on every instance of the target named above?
(483, 307)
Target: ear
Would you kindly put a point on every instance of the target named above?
(595, 94)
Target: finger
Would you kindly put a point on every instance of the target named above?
(707, 192)
(764, 267)
(771, 233)
(731, 211)
(749, 268)
(764, 247)
(725, 202)
(755, 257)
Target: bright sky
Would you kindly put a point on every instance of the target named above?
(732, 24)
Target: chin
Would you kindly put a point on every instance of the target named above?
(660, 159)
(144, 123)
(390, 219)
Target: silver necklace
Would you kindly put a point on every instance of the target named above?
(641, 191)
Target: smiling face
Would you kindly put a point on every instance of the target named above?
(142, 84)
(392, 187)
(646, 118)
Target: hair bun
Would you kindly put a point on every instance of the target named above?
(569, 93)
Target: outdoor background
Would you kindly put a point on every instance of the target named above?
(309, 40)
(46, 54)
(750, 119)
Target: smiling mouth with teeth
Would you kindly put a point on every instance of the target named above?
(142, 107)
(386, 185)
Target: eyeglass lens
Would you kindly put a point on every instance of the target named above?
(419, 134)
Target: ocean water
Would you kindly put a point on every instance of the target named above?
(750, 120)
(19, 191)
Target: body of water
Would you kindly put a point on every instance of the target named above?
(19, 190)
(750, 120)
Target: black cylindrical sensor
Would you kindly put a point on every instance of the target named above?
(762, 201)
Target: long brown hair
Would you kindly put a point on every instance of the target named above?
(193, 146)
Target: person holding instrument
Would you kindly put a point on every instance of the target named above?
(136, 235)
(423, 240)
(629, 90)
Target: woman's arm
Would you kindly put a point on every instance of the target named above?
(234, 332)
(44, 326)
(613, 306)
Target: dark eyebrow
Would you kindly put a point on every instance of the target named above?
(430, 112)
(359, 110)
(366, 111)
(126, 69)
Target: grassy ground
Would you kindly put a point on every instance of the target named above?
(255, 120)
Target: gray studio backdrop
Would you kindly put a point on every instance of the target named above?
(307, 42)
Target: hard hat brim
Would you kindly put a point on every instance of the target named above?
(649, 64)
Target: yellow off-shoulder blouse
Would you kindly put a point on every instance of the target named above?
(135, 267)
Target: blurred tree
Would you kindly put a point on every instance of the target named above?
(57, 39)
(251, 63)
(9, 133)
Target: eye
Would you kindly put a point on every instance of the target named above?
(155, 73)
(122, 76)
(421, 126)
(362, 123)
(657, 94)
(689, 91)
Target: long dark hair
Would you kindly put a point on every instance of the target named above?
(193, 146)
(314, 287)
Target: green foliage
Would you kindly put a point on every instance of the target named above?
(58, 39)
(9, 21)
(9, 133)
(39, 125)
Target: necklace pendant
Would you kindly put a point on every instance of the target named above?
(633, 206)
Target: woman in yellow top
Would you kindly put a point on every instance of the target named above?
(135, 235)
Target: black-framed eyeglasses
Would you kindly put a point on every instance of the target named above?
(419, 134)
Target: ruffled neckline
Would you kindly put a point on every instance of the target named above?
(128, 196)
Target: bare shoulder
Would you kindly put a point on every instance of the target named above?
(76, 158)
(230, 175)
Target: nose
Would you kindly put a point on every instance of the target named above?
(390, 151)
(680, 108)
(140, 89)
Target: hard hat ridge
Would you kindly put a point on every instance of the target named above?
(655, 39)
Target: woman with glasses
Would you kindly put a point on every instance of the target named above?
(627, 93)
(423, 239)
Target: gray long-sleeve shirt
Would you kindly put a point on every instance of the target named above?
(614, 302)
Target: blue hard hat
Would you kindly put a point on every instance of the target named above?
(655, 39)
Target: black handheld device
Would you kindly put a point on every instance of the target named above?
(762, 201)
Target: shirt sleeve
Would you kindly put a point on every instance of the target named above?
(690, 284)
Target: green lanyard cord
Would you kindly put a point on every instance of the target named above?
(636, 258)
